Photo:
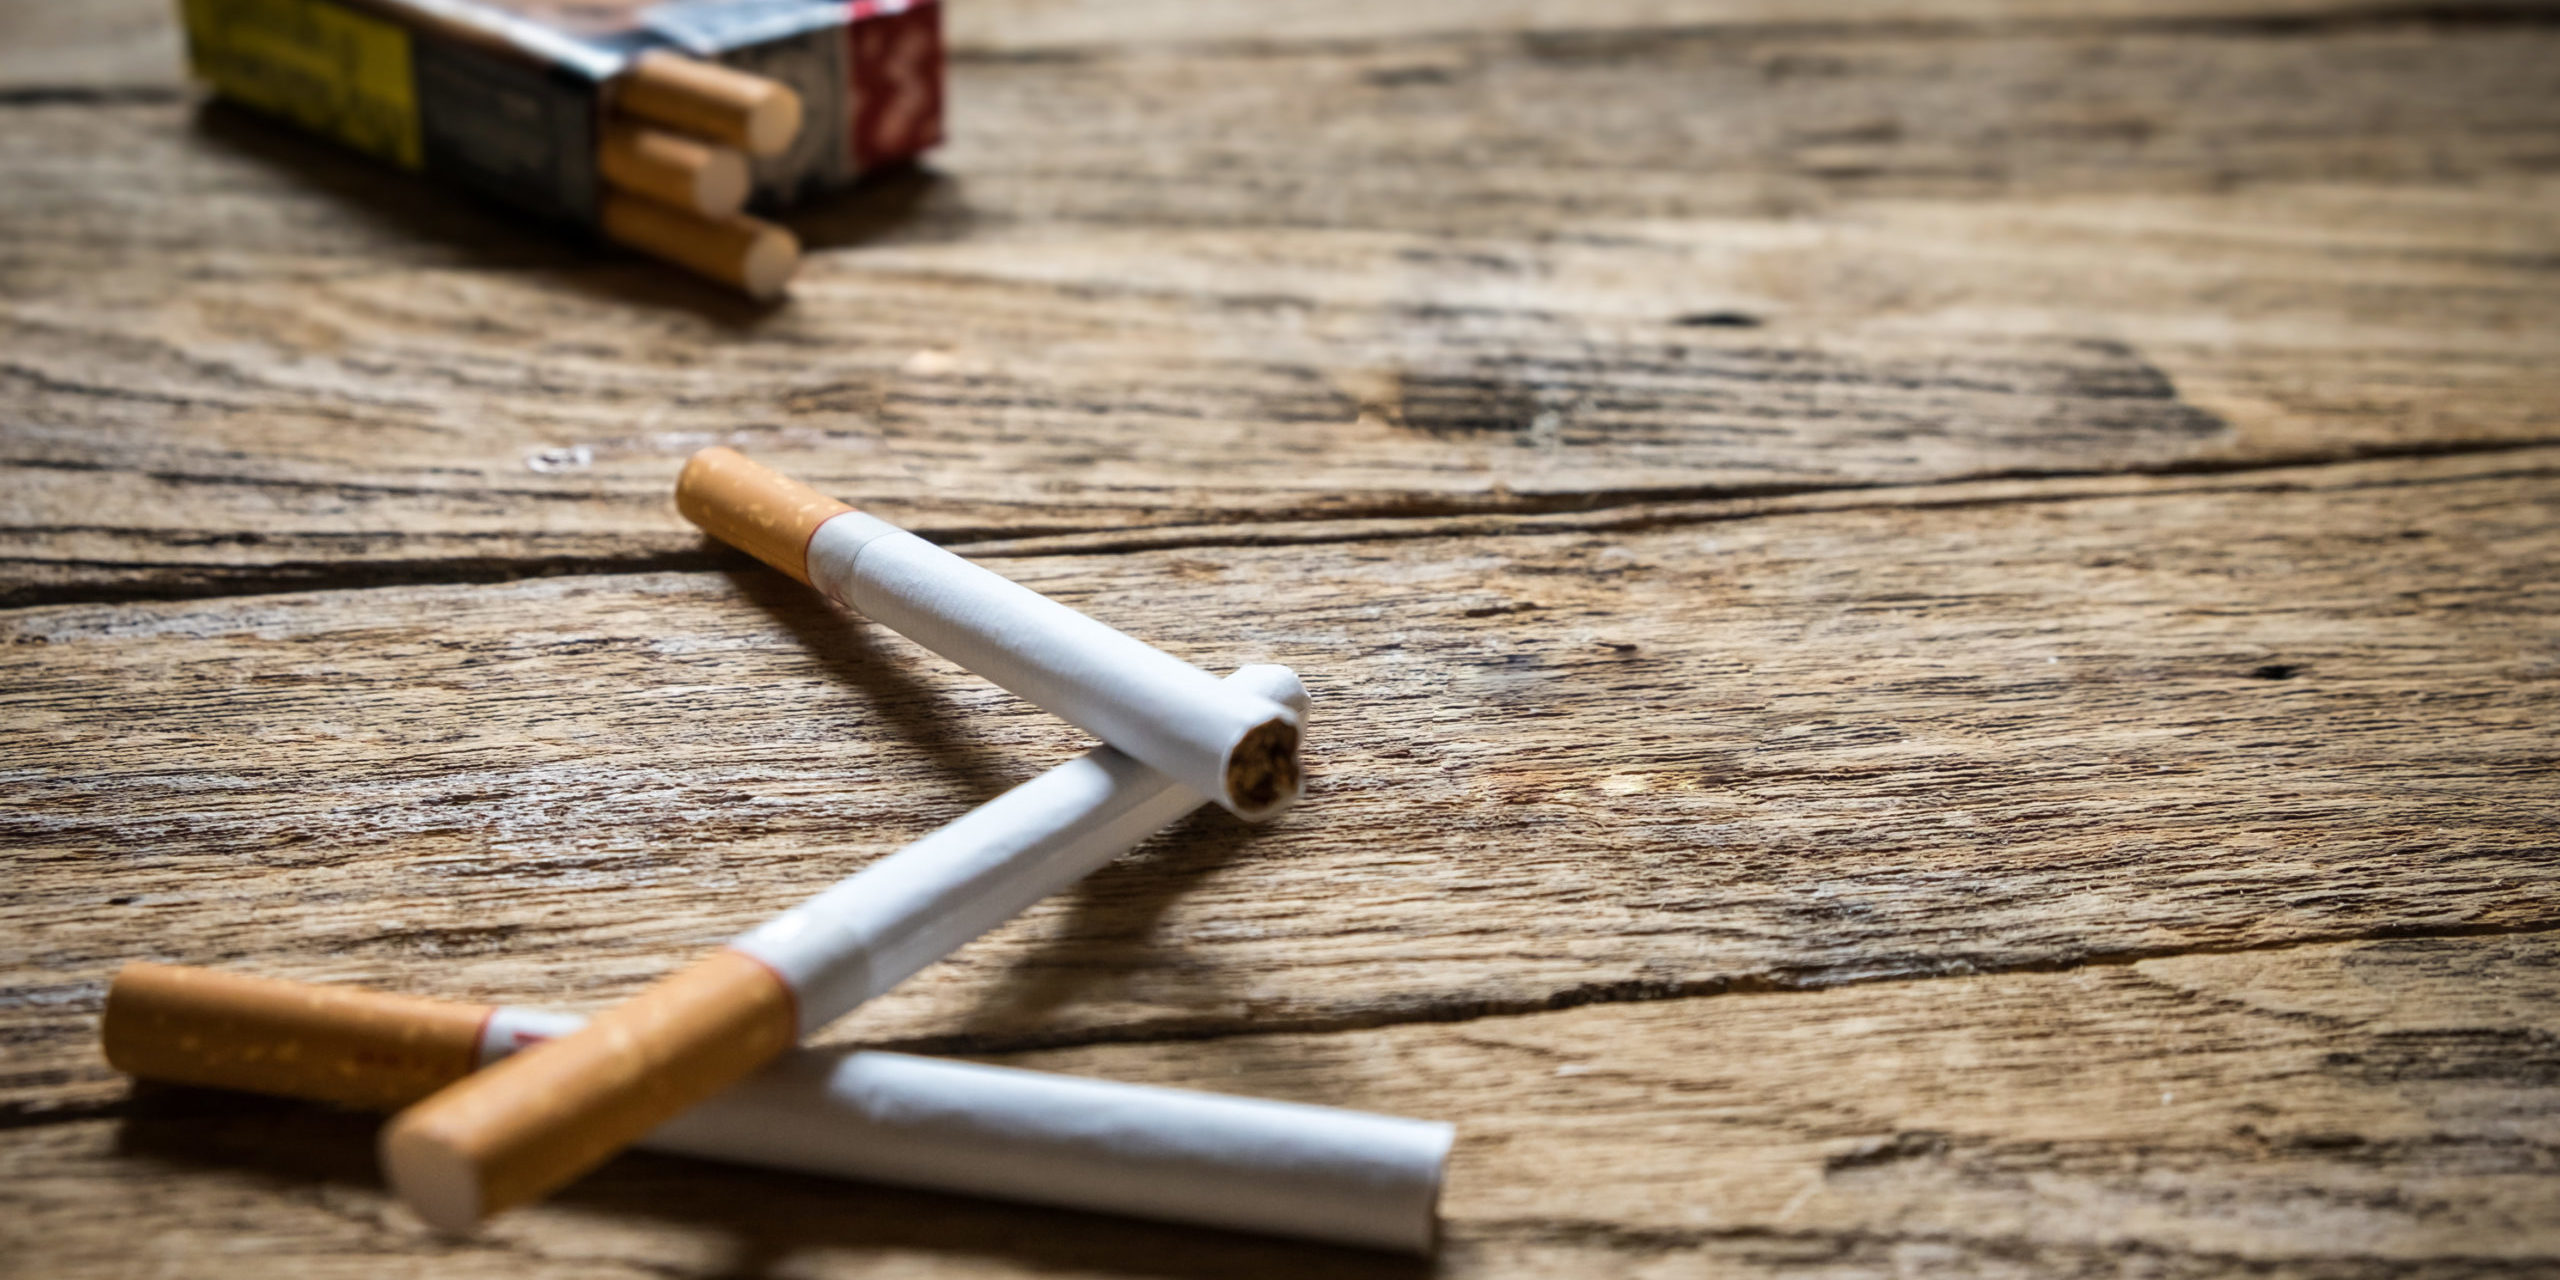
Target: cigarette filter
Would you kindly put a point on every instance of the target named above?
(699, 177)
(1213, 737)
(750, 112)
(1319, 1173)
(750, 253)
(512, 1134)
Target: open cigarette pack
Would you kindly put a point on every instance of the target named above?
(576, 111)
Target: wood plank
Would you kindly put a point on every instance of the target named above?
(1497, 134)
(238, 361)
(78, 48)
(124, 45)
(273, 433)
(2381, 1108)
(1554, 768)
(1517, 135)
(1048, 27)
(1528, 376)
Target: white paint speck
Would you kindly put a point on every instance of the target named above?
(557, 458)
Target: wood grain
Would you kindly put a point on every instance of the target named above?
(1932, 626)
(238, 361)
(1549, 769)
(2372, 1109)
(1033, 27)
(88, 48)
(127, 45)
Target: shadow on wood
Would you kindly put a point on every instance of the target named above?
(1112, 916)
(902, 203)
(847, 648)
(766, 1218)
(489, 235)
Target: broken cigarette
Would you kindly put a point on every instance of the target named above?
(1321, 1173)
(515, 1132)
(1216, 738)
(688, 173)
(749, 253)
(747, 111)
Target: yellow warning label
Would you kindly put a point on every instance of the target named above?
(317, 64)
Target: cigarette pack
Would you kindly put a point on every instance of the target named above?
(513, 98)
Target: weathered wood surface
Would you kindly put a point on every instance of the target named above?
(1792, 751)
(2372, 1109)
(1933, 626)
(1283, 281)
(128, 45)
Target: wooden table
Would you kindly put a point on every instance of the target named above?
(1933, 626)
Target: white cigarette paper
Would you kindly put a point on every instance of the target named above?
(1318, 1173)
(1146, 702)
(874, 928)
(487, 1143)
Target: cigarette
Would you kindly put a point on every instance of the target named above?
(701, 177)
(747, 111)
(1320, 1173)
(512, 1134)
(749, 253)
(1219, 740)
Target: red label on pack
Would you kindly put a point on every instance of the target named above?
(897, 80)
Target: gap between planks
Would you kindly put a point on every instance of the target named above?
(20, 1115)
(1451, 1012)
(1622, 512)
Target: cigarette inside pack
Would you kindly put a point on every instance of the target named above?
(649, 123)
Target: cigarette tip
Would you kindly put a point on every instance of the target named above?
(774, 124)
(770, 261)
(1263, 774)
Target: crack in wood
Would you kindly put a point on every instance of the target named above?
(1446, 1011)
(1621, 511)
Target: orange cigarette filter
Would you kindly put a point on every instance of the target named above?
(523, 1127)
(230, 1031)
(948, 1126)
(520, 1129)
(1236, 747)
(759, 511)
(750, 112)
(748, 253)
(673, 169)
